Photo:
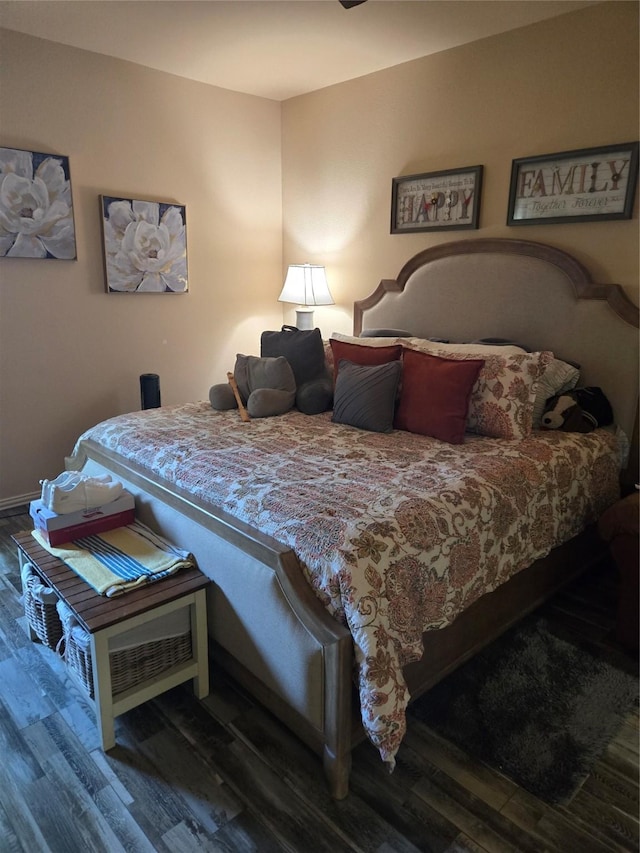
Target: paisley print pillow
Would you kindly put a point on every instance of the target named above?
(502, 399)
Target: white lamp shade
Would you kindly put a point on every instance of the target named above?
(306, 284)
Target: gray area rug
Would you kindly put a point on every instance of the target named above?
(539, 707)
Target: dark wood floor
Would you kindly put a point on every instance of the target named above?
(223, 775)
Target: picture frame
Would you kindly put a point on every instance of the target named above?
(448, 200)
(36, 206)
(584, 185)
(144, 245)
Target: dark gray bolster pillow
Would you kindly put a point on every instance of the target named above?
(315, 396)
(222, 397)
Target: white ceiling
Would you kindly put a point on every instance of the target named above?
(272, 48)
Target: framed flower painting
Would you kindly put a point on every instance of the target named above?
(36, 210)
(145, 246)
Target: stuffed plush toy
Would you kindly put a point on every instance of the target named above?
(291, 370)
(580, 410)
(266, 386)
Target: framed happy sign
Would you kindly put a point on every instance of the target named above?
(436, 201)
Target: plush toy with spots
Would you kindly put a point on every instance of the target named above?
(580, 410)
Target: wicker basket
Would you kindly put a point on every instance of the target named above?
(129, 667)
(43, 618)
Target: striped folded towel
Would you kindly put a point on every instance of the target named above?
(118, 560)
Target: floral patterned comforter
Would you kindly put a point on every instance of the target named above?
(396, 533)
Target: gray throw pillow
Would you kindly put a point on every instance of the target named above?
(365, 395)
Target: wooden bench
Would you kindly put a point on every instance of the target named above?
(105, 618)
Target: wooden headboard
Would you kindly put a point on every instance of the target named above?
(523, 291)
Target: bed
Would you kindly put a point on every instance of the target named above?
(353, 569)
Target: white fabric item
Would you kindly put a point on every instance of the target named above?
(66, 481)
(366, 342)
(32, 580)
(71, 626)
(72, 491)
(558, 378)
(464, 349)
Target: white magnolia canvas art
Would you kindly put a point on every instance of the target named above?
(145, 246)
(36, 210)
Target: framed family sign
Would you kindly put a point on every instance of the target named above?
(436, 201)
(574, 186)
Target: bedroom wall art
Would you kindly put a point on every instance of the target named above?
(145, 246)
(436, 201)
(36, 210)
(585, 185)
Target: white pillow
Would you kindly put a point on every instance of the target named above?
(477, 350)
(558, 378)
(366, 342)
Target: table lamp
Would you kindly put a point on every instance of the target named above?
(306, 286)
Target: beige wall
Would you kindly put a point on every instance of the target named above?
(70, 354)
(570, 82)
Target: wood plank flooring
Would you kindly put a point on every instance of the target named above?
(223, 775)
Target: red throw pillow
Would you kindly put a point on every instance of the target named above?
(362, 354)
(435, 395)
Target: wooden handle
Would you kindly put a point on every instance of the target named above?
(244, 414)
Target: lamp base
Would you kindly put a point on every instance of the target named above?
(304, 318)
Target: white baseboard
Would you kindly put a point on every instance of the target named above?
(18, 500)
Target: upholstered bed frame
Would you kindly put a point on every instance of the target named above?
(279, 642)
